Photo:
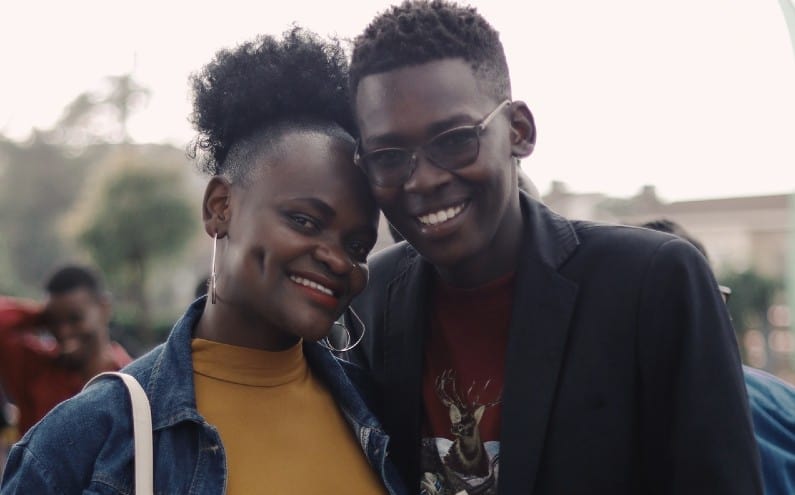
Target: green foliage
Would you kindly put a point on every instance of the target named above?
(752, 295)
(81, 184)
(39, 184)
(139, 218)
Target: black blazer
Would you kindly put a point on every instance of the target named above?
(622, 372)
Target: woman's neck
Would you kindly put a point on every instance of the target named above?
(224, 323)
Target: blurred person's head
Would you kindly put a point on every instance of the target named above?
(671, 227)
(77, 313)
(294, 217)
(440, 135)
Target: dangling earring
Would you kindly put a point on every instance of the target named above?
(327, 344)
(212, 270)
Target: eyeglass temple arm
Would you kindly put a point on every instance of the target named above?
(493, 114)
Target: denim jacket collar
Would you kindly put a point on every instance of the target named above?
(173, 398)
(170, 384)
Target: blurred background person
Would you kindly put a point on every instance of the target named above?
(38, 371)
(772, 401)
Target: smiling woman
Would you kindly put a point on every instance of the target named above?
(244, 399)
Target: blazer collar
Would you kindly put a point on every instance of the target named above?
(405, 320)
(543, 306)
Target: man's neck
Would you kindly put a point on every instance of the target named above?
(498, 260)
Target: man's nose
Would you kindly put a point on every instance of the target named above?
(426, 176)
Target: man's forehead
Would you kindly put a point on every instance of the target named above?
(400, 98)
(429, 81)
(74, 297)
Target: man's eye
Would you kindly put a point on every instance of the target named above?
(389, 158)
(360, 250)
(454, 141)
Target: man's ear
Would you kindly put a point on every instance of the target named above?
(523, 130)
(216, 211)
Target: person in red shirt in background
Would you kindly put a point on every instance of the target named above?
(38, 373)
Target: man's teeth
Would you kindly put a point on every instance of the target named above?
(311, 284)
(441, 215)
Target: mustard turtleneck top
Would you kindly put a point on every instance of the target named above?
(281, 429)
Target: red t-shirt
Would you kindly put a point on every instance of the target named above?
(29, 371)
(463, 375)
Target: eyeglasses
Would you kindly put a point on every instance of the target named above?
(452, 149)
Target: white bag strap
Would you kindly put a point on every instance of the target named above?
(142, 432)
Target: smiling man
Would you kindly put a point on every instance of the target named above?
(517, 351)
(38, 374)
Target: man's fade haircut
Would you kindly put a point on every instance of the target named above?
(246, 98)
(72, 277)
(416, 32)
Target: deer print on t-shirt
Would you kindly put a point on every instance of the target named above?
(467, 454)
(464, 463)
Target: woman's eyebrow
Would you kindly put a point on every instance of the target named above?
(318, 204)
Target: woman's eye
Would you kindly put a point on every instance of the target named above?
(304, 222)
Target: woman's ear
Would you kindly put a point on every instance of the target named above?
(523, 130)
(216, 211)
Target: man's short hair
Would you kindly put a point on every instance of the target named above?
(71, 277)
(416, 32)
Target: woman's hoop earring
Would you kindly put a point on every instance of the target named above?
(212, 270)
(327, 344)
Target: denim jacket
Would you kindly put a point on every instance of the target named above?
(85, 445)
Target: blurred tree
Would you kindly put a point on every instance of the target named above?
(39, 183)
(752, 295)
(98, 116)
(43, 178)
(140, 217)
(125, 94)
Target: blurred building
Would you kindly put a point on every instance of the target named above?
(739, 233)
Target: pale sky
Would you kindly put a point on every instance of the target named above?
(695, 97)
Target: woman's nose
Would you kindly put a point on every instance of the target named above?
(335, 258)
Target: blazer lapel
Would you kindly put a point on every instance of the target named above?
(405, 323)
(542, 310)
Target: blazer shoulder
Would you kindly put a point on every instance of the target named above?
(626, 240)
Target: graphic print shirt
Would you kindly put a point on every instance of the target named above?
(463, 378)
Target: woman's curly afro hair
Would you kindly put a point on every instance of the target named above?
(266, 84)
